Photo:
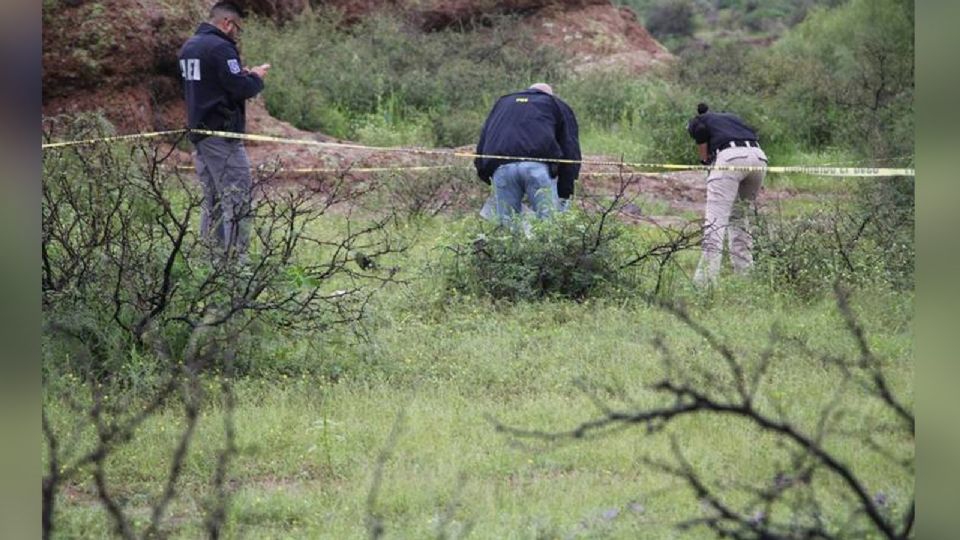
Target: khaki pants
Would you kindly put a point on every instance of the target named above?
(729, 194)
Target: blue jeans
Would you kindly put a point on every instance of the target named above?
(514, 180)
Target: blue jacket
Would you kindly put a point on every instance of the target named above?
(531, 124)
(215, 84)
(719, 130)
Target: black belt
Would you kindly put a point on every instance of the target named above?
(734, 144)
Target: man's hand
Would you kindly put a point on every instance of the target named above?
(261, 70)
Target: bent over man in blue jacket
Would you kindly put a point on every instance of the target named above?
(532, 123)
(216, 87)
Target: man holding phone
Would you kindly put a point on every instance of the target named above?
(216, 87)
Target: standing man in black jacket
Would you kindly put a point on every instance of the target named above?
(216, 87)
(725, 140)
(532, 123)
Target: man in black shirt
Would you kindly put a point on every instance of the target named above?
(216, 87)
(532, 123)
(723, 139)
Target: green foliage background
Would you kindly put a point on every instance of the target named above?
(839, 82)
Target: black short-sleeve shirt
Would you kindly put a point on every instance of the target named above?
(719, 129)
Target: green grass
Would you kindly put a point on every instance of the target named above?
(315, 411)
(616, 143)
(308, 447)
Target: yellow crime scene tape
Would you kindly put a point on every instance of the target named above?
(414, 168)
(113, 138)
(808, 170)
(346, 169)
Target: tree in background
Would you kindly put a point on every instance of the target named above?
(844, 77)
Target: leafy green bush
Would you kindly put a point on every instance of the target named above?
(846, 77)
(378, 129)
(571, 256)
(460, 129)
(664, 114)
(605, 100)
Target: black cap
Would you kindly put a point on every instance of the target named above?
(702, 108)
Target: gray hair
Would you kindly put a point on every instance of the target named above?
(543, 87)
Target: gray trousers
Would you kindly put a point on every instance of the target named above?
(224, 172)
(729, 194)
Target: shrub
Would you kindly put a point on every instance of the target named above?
(311, 111)
(126, 274)
(651, 111)
(413, 195)
(605, 100)
(568, 256)
(663, 114)
(670, 18)
(458, 129)
(889, 205)
(848, 77)
(584, 252)
(806, 255)
(379, 129)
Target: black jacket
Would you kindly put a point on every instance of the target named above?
(719, 129)
(531, 124)
(215, 84)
